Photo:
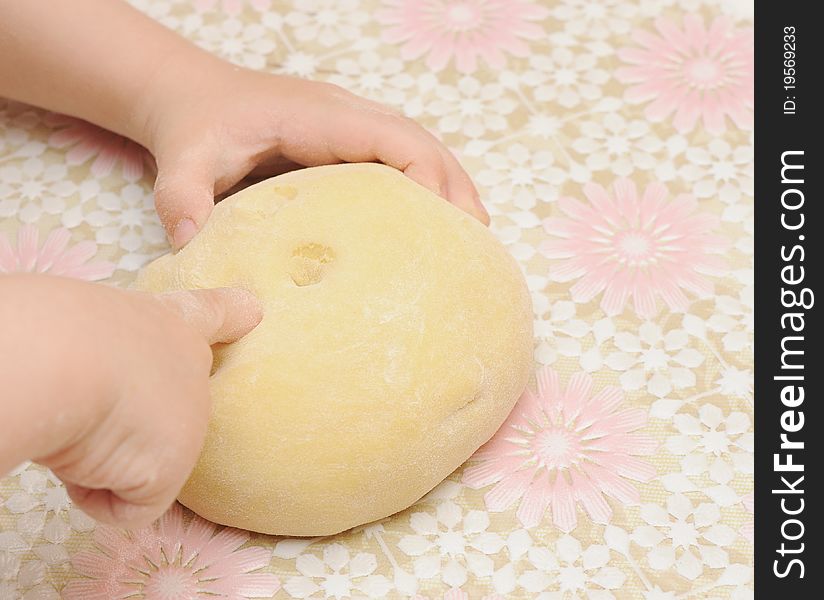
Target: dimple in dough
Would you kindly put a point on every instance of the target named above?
(397, 336)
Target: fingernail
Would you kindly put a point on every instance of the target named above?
(185, 230)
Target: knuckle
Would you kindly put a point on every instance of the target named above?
(434, 161)
(408, 122)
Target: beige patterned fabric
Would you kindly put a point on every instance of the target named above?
(612, 143)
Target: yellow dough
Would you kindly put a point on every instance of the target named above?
(397, 335)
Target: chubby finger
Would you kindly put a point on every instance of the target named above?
(358, 133)
(398, 142)
(184, 195)
(460, 190)
(106, 506)
(220, 315)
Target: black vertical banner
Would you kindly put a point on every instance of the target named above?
(789, 350)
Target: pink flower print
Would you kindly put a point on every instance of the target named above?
(692, 72)
(54, 256)
(87, 141)
(748, 528)
(468, 31)
(561, 448)
(625, 244)
(172, 561)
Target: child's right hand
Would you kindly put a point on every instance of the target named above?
(209, 124)
(109, 388)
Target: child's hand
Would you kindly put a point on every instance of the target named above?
(119, 400)
(207, 122)
(227, 122)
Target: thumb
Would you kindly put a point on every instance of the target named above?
(184, 197)
(220, 315)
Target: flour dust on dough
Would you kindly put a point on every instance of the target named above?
(397, 336)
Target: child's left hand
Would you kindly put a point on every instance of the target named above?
(227, 122)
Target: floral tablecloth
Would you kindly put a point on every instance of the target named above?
(611, 141)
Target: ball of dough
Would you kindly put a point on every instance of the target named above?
(397, 336)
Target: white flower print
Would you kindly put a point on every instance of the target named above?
(595, 18)
(245, 44)
(593, 359)
(713, 443)
(523, 219)
(9, 563)
(734, 318)
(231, 7)
(743, 214)
(43, 508)
(748, 529)
(511, 236)
(337, 575)
(656, 360)
(653, 8)
(445, 490)
(300, 64)
(188, 25)
(471, 107)
(24, 579)
(537, 285)
(742, 593)
(273, 21)
(735, 382)
(544, 126)
(32, 188)
(745, 278)
(684, 536)
(15, 134)
(656, 593)
(668, 161)
(573, 569)
(369, 74)
(128, 219)
(521, 176)
(565, 77)
(518, 543)
(75, 215)
(383, 79)
(44, 521)
(9, 568)
(162, 12)
(559, 333)
(719, 170)
(718, 490)
(448, 543)
(740, 9)
(327, 22)
(617, 144)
